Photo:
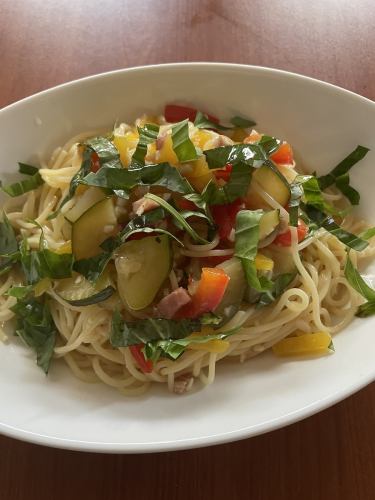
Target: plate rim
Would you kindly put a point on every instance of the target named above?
(214, 439)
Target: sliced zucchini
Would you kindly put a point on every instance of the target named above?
(235, 290)
(273, 183)
(268, 223)
(93, 227)
(142, 267)
(89, 198)
(80, 292)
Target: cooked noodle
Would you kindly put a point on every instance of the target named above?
(320, 298)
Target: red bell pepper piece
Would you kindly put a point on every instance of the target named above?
(95, 162)
(285, 239)
(210, 291)
(144, 364)
(284, 155)
(223, 173)
(175, 113)
(225, 217)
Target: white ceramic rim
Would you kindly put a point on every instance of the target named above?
(213, 439)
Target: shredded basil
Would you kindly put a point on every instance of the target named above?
(147, 135)
(24, 186)
(36, 328)
(26, 169)
(327, 222)
(279, 285)
(182, 144)
(359, 284)
(202, 121)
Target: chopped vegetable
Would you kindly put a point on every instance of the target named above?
(285, 239)
(182, 144)
(146, 366)
(306, 344)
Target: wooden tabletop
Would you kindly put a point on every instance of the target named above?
(328, 456)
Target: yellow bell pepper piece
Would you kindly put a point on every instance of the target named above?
(125, 142)
(200, 175)
(42, 286)
(166, 153)
(215, 346)
(263, 263)
(65, 248)
(200, 138)
(304, 345)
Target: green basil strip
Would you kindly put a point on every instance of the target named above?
(368, 233)
(8, 241)
(93, 267)
(280, 284)
(173, 348)
(182, 144)
(147, 135)
(20, 292)
(202, 121)
(343, 185)
(246, 244)
(126, 333)
(93, 299)
(241, 122)
(343, 167)
(24, 186)
(360, 285)
(367, 309)
(327, 222)
(164, 204)
(104, 148)
(24, 168)
(36, 328)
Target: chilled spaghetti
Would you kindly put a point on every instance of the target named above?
(151, 253)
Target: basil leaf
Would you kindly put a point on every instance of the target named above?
(182, 144)
(173, 348)
(8, 241)
(183, 223)
(24, 186)
(366, 309)
(43, 263)
(269, 144)
(280, 284)
(93, 299)
(296, 193)
(202, 121)
(342, 184)
(19, 292)
(240, 122)
(369, 233)
(343, 167)
(105, 149)
(210, 318)
(24, 168)
(249, 154)
(327, 222)
(356, 281)
(125, 333)
(93, 267)
(246, 245)
(161, 175)
(36, 328)
(147, 135)
(236, 187)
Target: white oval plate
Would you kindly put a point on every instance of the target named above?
(323, 123)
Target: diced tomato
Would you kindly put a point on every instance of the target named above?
(285, 239)
(284, 155)
(225, 217)
(95, 162)
(174, 113)
(208, 295)
(184, 204)
(144, 364)
(223, 173)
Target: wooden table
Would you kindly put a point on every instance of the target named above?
(328, 456)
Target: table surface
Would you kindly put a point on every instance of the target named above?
(328, 456)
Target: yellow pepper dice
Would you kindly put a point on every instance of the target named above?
(200, 138)
(239, 134)
(65, 248)
(263, 263)
(214, 346)
(166, 153)
(201, 175)
(125, 142)
(304, 345)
